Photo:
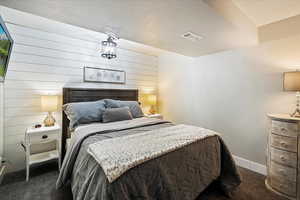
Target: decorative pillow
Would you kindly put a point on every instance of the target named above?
(84, 112)
(116, 114)
(133, 106)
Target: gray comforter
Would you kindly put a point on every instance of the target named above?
(182, 174)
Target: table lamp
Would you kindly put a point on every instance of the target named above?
(152, 102)
(49, 104)
(291, 82)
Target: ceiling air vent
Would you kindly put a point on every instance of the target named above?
(192, 36)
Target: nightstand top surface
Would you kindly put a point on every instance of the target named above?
(43, 129)
(283, 116)
(154, 115)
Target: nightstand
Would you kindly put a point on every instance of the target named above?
(41, 145)
(157, 116)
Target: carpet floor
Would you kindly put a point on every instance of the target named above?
(41, 186)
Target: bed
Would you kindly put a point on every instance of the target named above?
(182, 173)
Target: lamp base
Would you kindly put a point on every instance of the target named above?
(152, 110)
(49, 120)
(296, 113)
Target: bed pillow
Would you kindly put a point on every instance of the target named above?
(116, 114)
(133, 106)
(84, 112)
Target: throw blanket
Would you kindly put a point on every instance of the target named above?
(117, 155)
(81, 133)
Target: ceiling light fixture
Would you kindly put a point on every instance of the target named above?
(109, 47)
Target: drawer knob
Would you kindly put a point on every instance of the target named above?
(282, 143)
(282, 158)
(283, 129)
(281, 186)
(282, 171)
(44, 136)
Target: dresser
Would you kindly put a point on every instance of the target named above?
(283, 156)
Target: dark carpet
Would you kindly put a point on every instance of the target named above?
(41, 186)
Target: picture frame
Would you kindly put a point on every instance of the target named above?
(101, 75)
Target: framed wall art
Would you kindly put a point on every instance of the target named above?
(100, 75)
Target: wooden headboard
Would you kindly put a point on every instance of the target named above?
(71, 95)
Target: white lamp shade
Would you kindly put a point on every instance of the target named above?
(49, 103)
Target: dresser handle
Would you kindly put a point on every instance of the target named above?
(283, 129)
(283, 144)
(282, 158)
(282, 172)
(281, 186)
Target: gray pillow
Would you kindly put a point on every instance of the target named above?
(84, 112)
(116, 114)
(133, 106)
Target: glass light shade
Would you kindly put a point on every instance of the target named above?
(109, 49)
(151, 99)
(49, 103)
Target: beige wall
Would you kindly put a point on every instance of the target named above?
(230, 92)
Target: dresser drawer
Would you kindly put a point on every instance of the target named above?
(285, 143)
(287, 187)
(284, 128)
(43, 137)
(283, 172)
(284, 157)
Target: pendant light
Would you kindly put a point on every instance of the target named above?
(109, 47)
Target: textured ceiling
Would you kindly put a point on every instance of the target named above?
(156, 23)
(263, 12)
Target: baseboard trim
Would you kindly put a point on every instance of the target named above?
(253, 166)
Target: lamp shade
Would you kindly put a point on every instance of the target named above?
(151, 99)
(49, 103)
(291, 81)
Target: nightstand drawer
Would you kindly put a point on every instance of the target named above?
(283, 172)
(285, 143)
(43, 137)
(284, 186)
(284, 157)
(46, 145)
(284, 128)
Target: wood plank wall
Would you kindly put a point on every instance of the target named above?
(43, 62)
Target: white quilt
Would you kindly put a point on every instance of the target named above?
(117, 155)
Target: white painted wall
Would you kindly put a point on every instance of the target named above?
(49, 55)
(230, 92)
(174, 86)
